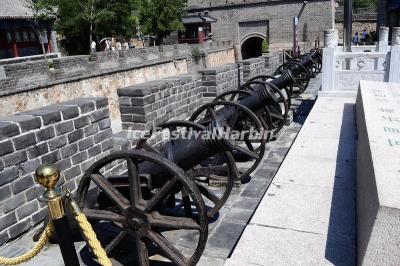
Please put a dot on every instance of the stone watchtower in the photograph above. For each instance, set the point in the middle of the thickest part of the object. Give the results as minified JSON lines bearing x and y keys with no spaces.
{"x":249,"y":22}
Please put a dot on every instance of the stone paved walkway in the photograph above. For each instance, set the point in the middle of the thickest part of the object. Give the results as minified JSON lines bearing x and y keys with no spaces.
{"x":224,"y":232}
{"x":307,"y":216}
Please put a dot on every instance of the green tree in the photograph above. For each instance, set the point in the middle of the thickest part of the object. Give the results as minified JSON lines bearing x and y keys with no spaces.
{"x":365,"y":3}
{"x":79,"y":21}
{"x":161,"y":17}
{"x":361,"y":3}
{"x":43,"y":11}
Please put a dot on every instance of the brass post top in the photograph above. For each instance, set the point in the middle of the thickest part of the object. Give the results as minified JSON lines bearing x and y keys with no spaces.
{"x":47,"y":175}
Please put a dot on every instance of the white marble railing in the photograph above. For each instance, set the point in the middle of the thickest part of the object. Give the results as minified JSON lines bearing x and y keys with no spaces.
{"x":342,"y":71}
{"x":374,"y":61}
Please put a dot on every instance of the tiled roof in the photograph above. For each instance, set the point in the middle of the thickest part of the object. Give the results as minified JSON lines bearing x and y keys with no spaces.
{"x":198,"y":18}
{"x":11,"y":9}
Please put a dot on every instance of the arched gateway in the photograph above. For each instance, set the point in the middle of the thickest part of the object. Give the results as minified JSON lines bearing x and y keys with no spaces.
{"x":251,"y":45}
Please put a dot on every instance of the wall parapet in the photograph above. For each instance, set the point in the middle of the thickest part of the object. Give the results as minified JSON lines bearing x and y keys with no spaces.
{"x":72,"y":135}
{"x":26,"y":76}
{"x":146,"y":105}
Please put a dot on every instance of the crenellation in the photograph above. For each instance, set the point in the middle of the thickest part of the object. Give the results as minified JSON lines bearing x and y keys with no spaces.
{"x":65,"y":137}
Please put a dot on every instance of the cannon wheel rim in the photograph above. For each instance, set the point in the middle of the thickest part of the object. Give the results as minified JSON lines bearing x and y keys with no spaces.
{"x":262,"y":77}
{"x":261,"y":151}
{"x":264,"y":111}
{"x":301,"y":86}
{"x":272,"y":111}
{"x":232,"y":171}
{"x":282,"y":114}
{"x":288,"y":92}
{"x":132,"y":207}
{"x":233,"y":93}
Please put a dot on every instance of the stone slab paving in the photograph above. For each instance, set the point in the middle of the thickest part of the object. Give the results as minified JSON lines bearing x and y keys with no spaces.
{"x":224,"y":232}
{"x":307,"y":216}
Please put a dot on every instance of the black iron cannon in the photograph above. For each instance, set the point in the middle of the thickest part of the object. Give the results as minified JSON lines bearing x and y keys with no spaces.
{"x":163,"y":193}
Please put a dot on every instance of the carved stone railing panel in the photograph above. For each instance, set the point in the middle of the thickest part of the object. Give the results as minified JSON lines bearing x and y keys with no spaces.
{"x":362,"y":62}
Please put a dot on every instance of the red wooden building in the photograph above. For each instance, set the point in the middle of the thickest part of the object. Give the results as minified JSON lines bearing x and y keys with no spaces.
{"x":197,"y":28}
{"x":17,"y":35}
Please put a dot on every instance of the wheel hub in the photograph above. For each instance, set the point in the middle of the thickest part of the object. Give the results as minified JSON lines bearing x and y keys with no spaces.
{"x":135,"y":223}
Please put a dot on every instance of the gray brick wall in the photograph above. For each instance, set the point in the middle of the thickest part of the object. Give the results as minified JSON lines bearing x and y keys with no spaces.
{"x":149,"y":104}
{"x":218,"y":80}
{"x":71,"y":135}
{"x":146,"y":105}
{"x":238,"y":18}
{"x":253,"y":67}
{"x":37,"y":74}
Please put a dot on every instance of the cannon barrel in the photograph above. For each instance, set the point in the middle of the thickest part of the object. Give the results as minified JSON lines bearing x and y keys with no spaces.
{"x":160,"y":191}
{"x":189,"y":152}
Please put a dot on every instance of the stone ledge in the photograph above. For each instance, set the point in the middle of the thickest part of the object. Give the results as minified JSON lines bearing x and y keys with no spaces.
{"x":378,"y":173}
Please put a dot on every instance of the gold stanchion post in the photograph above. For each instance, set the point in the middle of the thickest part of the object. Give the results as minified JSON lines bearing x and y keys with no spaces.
{"x":48,"y":176}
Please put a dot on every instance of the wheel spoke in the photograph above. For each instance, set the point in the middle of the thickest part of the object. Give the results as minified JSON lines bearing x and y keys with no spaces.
{"x":110,"y":247}
{"x":102,"y":215}
{"x":168,"y":249}
{"x":251,"y":154}
{"x":172,"y":223}
{"x":161,"y":193}
{"x":142,"y":252}
{"x":145,"y":146}
{"x":212,"y":113}
{"x":111,"y":192}
{"x":134,"y":182}
{"x":208,"y":194}
{"x":248,"y":144}
{"x":234,"y":118}
{"x":277,"y":115}
{"x":208,"y":170}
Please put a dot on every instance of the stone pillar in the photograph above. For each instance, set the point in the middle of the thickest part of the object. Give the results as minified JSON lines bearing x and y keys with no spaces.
{"x":14,"y":43}
{"x":201,"y":35}
{"x":238,"y":52}
{"x":383,"y":39}
{"x":330,"y":38}
{"x":329,"y":62}
{"x":394,"y":76}
{"x":395,"y":36}
{"x":53,"y":41}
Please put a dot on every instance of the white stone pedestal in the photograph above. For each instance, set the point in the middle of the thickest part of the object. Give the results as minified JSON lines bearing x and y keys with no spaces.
{"x":378,"y":173}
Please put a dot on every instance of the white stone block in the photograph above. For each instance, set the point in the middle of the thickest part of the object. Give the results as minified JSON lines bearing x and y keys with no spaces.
{"x":378,"y":173}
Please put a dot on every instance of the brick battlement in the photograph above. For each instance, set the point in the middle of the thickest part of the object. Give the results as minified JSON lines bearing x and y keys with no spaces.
{"x":72,"y":135}
{"x":26,"y":76}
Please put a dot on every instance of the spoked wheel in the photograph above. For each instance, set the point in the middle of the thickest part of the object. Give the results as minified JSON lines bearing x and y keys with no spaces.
{"x":318,"y":66}
{"x":261,"y":78}
{"x":311,"y":68}
{"x":262,"y":114}
{"x":235,"y":96}
{"x":301,"y":78}
{"x":137,"y":209}
{"x":314,"y":68}
{"x":317,"y":55}
{"x":246,"y":131}
{"x":232,"y":96}
{"x":287,"y":92}
{"x":220,"y":168}
{"x":276,"y":112}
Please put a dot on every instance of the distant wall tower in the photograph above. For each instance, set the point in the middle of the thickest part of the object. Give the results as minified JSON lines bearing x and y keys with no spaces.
{"x":242,"y":20}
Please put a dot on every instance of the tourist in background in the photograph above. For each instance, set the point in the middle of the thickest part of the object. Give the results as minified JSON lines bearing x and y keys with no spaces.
{"x":364,"y":36}
{"x":355,"y":38}
{"x":118,"y":45}
{"x":125,"y":45}
{"x":93,"y":46}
